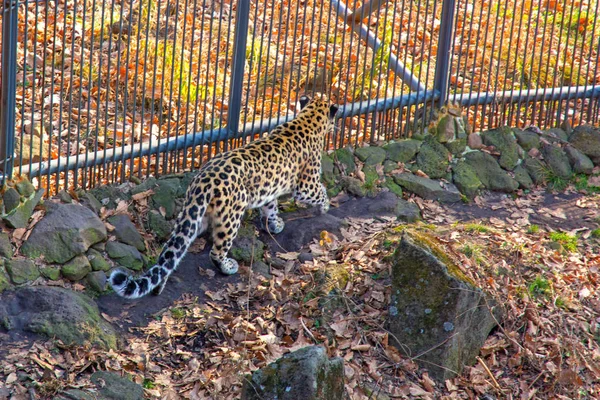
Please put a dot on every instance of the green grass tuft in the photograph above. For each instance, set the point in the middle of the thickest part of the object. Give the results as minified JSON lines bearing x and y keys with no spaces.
{"x":569,"y":242}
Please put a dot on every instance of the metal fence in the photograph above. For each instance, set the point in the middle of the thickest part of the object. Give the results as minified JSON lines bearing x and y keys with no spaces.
{"x":98,"y":91}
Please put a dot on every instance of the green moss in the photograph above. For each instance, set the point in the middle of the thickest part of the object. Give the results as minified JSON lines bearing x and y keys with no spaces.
{"x":177,"y":313}
{"x":533,"y":229}
{"x":596,"y":233}
{"x":476,"y":228}
{"x":540,"y":287}
{"x":569,"y":242}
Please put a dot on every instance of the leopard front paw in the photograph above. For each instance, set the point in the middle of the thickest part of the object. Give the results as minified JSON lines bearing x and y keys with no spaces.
{"x":325,"y":208}
{"x":229,"y":266}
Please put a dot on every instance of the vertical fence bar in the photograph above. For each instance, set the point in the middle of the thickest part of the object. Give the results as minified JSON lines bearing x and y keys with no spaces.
{"x":8,"y":91}
{"x":442,"y":66}
{"x":239,"y":62}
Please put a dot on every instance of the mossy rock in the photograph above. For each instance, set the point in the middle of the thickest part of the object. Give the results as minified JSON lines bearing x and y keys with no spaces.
{"x":370,"y":155}
{"x":97,"y":261}
{"x":557,"y":161}
{"x":327,"y":174}
{"x":11,"y":200}
{"x":159,"y":225}
{"x":527,"y":140}
{"x":586,"y":139}
{"x":19,"y":216}
{"x":51,"y":272}
{"x":403,"y":150}
{"x":537,"y":169}
{"x":116,"y":387}
{"x":504,"y":141}
{"x":436,"y":310}
{"x":148,"y":184}
{"x":126,"y":255}
{"x":166,"y":191}
{"x":126,"y":232}
{"x":247,"y":248}
{"x":371,"y":178}
{"x":22,"y":271}
{"x":558,"y":133}
{"x":353,"y":186}
{"x":389,"y":166}
{"x":6,"y":249}
{"x":522,"y":176}
{"x":457,"y":146}
{"x":57,"y":313}
{"x":489,"y":172}
{"x":25,"y":188}
{"x":109,"y":195}
{"x":433,"y":158}
{"x":346,"y":158}
{"x":393,"y":187}
{"x":466,"y":179}
{"x":77,"y":268}
{"x":428,"y":188}
{"x":4,"y":280}
{"x":580,"y":162}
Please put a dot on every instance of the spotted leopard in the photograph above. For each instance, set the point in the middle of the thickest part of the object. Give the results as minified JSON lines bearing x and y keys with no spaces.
{"x":254,"y":176}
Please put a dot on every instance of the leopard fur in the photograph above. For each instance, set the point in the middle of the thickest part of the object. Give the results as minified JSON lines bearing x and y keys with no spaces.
{"x":254,"y":176}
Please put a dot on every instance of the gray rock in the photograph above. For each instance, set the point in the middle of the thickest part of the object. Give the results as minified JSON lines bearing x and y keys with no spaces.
{"x":527,"y":140}
{"x":466,"y":179}
{"x":558,"y":133}
{"x":262,"y":268}
{"x":22,"y":271}
{"x":246,"y":246}
{"x":115,"y":387}
{"x":158,"y":225}
{"x":557,"y":161}
{"x":389,"y":166}
{"x":51,"y":272}
{"x":504,"y":141}
{"x":109,"y":195}
{"x":25,"y":188}
{"x":474,"y":141}
{"x":580,"y":162}
{"x":19,"y":218}
{"x":393,"y":186}
{"x":4,"y":280}
{"x":436,"y":311}
{"x":489,"y":172}
{"x":522,"y":176}
{"x":126,"y":255}
{"x":586,"y":139}
{"x":433,"y":159}
{"x":370,"y":155}
{"x":305,"y":374}
{"x":148,"y":184}
{"x":66,"y":231}
{"x":126,"y":232}
{"x":389,"y":204}
{"x":353,"y":186}
{"x":346,"y":159}
{"x":457,"y":146}
{"x":91,"y":202}
{"x":57,"y":313}
{"x":6,"y":249}
{"x":11,"y":199}
{"x":402,"y":151}
{"x":97,"y":281}
{"x":97,"y":261}
{"x":428,"y":188}
{"x":164,"y":194}
{"x":77,"y":268}
{"x":65,"y":197}
{"x":76,"y":394}
{"x":537,"y":169}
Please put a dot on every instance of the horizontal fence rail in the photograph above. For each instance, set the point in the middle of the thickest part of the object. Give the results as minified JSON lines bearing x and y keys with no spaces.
{"x":97,"y":91}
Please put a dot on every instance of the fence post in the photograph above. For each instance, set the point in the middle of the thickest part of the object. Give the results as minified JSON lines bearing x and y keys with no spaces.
{"x":239,"y":63}
{"x":446,"y":37}
{"x":8,"y":90}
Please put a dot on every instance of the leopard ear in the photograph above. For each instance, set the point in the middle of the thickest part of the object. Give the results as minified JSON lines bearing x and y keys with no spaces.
{"x":304,"y":100}
{"x":333,"y":109}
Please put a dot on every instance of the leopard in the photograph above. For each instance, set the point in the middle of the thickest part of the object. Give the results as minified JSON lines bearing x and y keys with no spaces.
{"x":285,"y":162}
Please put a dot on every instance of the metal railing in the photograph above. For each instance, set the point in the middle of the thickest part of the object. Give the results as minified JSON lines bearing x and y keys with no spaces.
{"x":96,"y":91}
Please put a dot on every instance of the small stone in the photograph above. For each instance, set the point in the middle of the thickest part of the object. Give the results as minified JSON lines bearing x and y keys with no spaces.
{"x":474,"y":141}
{"x":20,"y":217}
{"x":370,"y":155}
{"x":527,"y":140}
{"x":77,"y":268}
{"x":96,"y":281}
{"x":428,"y":188}
{"x":113,"y":386}
{"x":402,"y":151}
{"x":158,"y":225}
{"x":126,"y":232}
{"x":25,"y":188}
{"x":22,"y":271}
{"x":580,"y":162}
{"x":246,"y":247}
{"x":126,"y":255}
{"x":97,"y":261}
{"x":6,"y":249}
{"x":11,"y":199}
{"x":353,"y":186}
{"x":557,"y":160}
{"x":262,"y":268}
{"x":305,"y":256}
{"x":65,"y":197}
{"x":433,"y":158}
{"x":51,"y":272}
{"x":522,"y":176}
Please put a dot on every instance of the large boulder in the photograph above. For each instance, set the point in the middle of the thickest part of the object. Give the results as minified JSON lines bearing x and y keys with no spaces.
{"x":428,"y":188}
{"x":586,"y":139}
{"x":306,"y":374}
{"x":557,"y":161}
{"x":57,"y":313}
{"x":436,"y":311}
{"x":504,"y":141}
{"x":489,"y":172}
{"x":68,"y":230}
{"x":403,"y":151}
{"x":433,"y":158}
